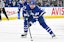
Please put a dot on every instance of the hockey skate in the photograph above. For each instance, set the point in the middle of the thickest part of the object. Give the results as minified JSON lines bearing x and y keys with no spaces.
{"x":24,"y":35}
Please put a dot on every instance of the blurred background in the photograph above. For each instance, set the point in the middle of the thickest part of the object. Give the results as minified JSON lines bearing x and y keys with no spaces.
{"x":42,"y":3}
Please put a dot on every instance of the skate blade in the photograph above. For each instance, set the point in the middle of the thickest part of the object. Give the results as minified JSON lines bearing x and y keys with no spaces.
{"x":24,"y":36}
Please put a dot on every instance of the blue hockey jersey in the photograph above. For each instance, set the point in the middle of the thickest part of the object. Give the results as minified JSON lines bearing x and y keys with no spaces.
{"x":20,"y":5}
{"x":36,"y":12}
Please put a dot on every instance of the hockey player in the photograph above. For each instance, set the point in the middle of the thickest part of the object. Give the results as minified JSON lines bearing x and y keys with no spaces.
{"x":22,"y":4}
{"x":2,"y":8}
{"x":32,"y":14}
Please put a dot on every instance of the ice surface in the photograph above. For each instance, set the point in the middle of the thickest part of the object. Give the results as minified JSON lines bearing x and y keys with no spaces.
{"x":10,"y":31}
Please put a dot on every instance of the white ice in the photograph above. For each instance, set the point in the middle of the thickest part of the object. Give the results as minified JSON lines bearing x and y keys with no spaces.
{"x":10,"y":31}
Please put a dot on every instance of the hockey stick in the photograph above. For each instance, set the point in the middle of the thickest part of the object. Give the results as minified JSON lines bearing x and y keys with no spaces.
{"x":29,"y":28}
{"x":30,"y":35}
{"x":29,"y":31}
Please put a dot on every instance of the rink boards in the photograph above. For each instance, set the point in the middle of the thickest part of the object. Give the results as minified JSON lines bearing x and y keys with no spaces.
{"x":51,"y":12}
